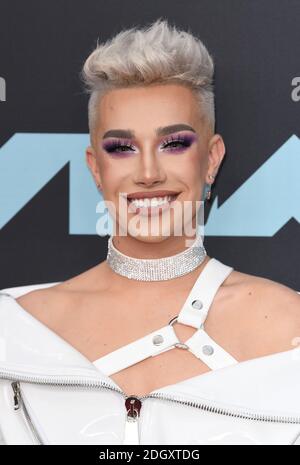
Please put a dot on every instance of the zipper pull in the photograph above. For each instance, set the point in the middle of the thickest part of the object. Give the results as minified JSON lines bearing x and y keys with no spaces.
{"x":16,"y":388}
{"x":133,"y":406}
{"x":131,"y":434}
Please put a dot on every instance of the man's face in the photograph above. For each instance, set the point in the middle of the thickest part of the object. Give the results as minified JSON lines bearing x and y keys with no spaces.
{"x":151,"y":139}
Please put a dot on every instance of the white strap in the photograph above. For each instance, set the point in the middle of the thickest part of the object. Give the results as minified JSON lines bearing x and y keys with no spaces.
{"x":197,"y":305}
{"x":134,"y":352}
{"x":193,"y":313}
{"x":207,"y":350}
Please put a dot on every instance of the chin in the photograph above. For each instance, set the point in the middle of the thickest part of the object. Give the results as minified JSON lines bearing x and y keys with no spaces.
{"x":151,"y":239}
{"x":158,"y":235}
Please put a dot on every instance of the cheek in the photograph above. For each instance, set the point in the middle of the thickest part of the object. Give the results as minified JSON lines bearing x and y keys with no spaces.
{"x":192,"y":175}
{"x":113,"y":177}
{"x":190,"y":170}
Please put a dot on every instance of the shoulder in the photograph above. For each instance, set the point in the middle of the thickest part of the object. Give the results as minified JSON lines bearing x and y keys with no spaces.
{"x":46,"y":304}
{"x":56,"y":301}
{"x":267,"y":313}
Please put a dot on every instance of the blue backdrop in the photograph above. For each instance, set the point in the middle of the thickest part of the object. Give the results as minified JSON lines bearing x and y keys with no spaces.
{"x":47,"y":196}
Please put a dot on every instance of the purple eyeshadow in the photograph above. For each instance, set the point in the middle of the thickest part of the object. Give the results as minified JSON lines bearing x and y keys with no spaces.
{"x":179,"y":143}
{"x":117,"y":147}
{"x":174,"y":144}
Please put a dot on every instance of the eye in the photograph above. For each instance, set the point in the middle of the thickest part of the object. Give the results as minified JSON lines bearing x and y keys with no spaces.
{"x":122,"y":148}
{"x":176,"y":143}
{"x":118,"y":147}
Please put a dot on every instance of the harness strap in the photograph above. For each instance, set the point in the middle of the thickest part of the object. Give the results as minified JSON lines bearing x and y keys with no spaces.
{"x":193,"y":313}
{"x":194,"y":310}
{"x":206,"y":349}
{"x":134,"y":352}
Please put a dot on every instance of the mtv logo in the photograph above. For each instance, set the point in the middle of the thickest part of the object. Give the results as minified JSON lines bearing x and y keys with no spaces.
{"x":261,"y":206}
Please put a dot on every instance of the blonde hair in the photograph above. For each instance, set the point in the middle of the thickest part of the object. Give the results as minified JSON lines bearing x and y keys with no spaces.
{"x":155,"y":54}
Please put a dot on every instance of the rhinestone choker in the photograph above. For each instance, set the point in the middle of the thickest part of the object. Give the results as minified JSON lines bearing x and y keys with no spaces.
{"x":157,"y":269}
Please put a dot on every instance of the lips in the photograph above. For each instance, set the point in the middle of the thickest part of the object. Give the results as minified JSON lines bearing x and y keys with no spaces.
{"x":146,"y":209}
{"x":174,"y":197}
{"x":151,"y":194}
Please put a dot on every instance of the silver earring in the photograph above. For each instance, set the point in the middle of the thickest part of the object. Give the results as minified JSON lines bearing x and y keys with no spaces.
{"x":208,"y":192}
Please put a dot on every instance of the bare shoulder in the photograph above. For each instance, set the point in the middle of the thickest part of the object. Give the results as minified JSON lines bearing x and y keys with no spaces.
{"x":52,"y":303}
{"x":266,"y":312}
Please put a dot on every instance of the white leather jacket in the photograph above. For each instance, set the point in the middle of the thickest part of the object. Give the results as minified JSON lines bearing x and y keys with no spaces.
{"x":51,"y":394}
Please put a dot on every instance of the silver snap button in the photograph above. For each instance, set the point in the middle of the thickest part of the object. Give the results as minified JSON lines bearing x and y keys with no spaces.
{"x":197,"y":304}
{"x":157,"y":339}
{"x":207,"y":350}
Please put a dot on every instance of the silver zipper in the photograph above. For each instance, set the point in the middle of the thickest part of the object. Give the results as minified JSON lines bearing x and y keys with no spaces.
{"x":155,"y":395}
{"x":248,"y":415}
{"x":18,"y":404}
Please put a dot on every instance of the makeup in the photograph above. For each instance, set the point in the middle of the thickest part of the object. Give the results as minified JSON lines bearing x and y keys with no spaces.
{"x":174,"y":143}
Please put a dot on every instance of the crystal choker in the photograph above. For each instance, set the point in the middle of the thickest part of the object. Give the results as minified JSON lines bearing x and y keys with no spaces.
{"x":157,"y":269}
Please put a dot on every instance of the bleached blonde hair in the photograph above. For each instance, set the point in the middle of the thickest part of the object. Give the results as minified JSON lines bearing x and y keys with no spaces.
{"x":155,"y":54}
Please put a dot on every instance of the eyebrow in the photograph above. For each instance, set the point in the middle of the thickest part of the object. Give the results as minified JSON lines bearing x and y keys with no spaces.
{"x":160,"y":131}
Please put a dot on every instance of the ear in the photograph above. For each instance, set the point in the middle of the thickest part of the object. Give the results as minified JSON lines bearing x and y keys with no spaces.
{"x":216,"y":148}
{"x":91,"y":161}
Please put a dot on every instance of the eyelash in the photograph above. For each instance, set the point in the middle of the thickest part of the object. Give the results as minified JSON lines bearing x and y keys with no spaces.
{"x":182,"y":140}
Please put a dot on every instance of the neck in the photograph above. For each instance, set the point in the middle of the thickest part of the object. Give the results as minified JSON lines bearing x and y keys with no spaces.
{"x":167,"y":267}
{"x":117,"y":284}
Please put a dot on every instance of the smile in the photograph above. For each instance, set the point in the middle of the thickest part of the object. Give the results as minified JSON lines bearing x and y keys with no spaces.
{"x":152,"y":205}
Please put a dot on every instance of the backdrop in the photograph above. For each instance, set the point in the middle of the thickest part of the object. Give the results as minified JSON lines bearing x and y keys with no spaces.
{"x":47,"y":196}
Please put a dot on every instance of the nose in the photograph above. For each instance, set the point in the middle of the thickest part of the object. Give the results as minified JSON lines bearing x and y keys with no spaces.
{"x":149,"y":170}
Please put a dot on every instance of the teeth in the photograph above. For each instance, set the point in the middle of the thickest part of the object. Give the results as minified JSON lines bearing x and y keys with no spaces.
{"x":153,"y":202}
